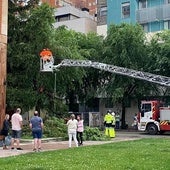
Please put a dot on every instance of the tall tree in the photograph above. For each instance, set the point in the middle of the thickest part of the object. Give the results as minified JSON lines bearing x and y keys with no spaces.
{"x":79,"y":83}
{"x":30,"y":30}
{"x":159,"y":51}
{"x":125,"y":47}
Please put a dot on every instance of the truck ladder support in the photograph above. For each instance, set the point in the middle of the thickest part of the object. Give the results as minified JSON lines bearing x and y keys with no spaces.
{"x":161,"y":80}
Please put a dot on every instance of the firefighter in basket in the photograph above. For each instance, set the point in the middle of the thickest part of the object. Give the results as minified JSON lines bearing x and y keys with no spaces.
{"x":46,"y":55}
{"x":109,"y":122}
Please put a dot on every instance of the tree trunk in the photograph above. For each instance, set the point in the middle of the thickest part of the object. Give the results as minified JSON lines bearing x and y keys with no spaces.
{"x":3,"y":57}
{"x":123,"y":114}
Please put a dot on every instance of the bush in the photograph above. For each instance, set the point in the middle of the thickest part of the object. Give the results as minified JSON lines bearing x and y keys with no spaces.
{"x":53,"y":127}
{"x":94,"y":134}
{"x":56,"y":128}
{"x":26,"y":132}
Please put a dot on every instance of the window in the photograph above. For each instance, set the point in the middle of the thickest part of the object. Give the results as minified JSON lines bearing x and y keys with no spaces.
{"x":142,"y":4}
{"x":126,"y":10}
{"x":167,"y":25}
{"x":167,"y":1}
{"x":103,"y":11}
{"x":145,"y":27}
{"x":146,"y":107}
{"x":62,"y":18}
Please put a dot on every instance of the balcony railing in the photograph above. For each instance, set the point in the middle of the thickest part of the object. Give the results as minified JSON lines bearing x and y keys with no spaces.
{"x":153,"y":14}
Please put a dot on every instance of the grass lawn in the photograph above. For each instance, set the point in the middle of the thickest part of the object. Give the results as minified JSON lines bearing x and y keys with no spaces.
{"x":145,"y":154}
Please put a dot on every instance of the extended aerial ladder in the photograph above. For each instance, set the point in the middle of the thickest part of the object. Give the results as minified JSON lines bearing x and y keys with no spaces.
{"x":47,"y":65}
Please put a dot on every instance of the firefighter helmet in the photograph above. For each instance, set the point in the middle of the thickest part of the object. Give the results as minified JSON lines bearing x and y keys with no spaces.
{"x":113,"y":113}
{"x":109,"y":111}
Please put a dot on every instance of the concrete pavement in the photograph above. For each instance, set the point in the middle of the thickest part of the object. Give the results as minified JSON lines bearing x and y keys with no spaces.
{"x":52,"y":144}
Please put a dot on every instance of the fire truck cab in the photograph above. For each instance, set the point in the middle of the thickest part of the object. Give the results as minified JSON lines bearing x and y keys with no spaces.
{"x":153,"y":118}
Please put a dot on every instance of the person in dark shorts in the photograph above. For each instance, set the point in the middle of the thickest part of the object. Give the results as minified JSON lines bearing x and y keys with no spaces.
{"x":16,"y":121}
{"x":36,"y":125}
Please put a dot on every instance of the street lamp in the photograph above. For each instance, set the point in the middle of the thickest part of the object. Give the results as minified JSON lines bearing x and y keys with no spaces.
{"x":55,"y":91}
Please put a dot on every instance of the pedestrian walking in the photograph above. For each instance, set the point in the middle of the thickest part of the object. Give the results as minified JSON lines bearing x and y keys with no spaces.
{"x":80,"y":129}
{"x":72,"y":130}
{"x":5,"y":130}
{"x":16,"y":121}
{"x":36,"y":126}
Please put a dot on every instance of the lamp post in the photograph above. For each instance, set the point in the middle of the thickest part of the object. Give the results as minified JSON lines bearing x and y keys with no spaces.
{"x":55,"y":92}
{"x":3,"y":56}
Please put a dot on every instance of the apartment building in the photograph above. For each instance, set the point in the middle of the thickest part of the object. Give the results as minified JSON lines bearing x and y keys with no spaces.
{"x":75,"y":19}
{"x":153,"y":15}
{"x":102,"y":17}
{"x":80,"y":4}
{"x":75,"y":14}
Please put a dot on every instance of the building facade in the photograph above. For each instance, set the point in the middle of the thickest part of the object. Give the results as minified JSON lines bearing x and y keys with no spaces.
{"x":75,"y":19}
{"x":152,"y":15}
{"x":102,"y":17}
{"x":80,"y":4}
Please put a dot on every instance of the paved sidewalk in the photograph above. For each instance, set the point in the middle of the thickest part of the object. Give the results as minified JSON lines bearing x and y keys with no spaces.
{"x":51,"y":144}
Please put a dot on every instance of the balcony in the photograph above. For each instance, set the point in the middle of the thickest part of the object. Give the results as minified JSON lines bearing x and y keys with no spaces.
{"x":153,"y":14}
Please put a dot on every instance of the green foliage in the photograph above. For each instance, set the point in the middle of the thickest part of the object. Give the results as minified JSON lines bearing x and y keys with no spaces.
{"x":163,"y":53}
{"x":30,"y":30}
{"x":94,"y":134}
{"x":128,"y":155}
{"x":124,"y":46}
{"x":26,"y":132}
{"x":55,"y":127}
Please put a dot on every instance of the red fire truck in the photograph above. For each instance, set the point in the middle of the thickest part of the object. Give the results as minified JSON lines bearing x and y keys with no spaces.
{"x":154,"y":118}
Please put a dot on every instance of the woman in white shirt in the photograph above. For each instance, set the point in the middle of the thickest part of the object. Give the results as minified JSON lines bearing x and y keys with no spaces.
{"x":72,"y":130}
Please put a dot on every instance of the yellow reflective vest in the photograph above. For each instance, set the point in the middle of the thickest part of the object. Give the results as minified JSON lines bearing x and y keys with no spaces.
{"x":108,"y":119}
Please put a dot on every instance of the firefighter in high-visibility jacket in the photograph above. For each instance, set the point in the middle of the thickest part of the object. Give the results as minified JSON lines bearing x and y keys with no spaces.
{"x":108,"y":122}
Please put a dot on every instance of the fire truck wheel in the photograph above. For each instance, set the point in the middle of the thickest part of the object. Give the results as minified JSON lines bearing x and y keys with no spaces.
{"x":152,"y":129}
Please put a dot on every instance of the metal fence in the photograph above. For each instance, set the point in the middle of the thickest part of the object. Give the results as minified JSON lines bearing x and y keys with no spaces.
{"x":91,"y":119}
